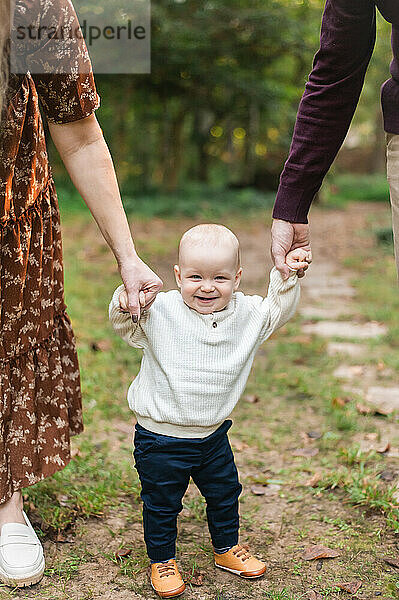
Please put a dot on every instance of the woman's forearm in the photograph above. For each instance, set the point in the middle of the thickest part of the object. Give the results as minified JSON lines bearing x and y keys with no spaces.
{"x":87,"y":159}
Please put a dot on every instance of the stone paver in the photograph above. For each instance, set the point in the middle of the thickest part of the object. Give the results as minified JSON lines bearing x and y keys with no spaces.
{"x":385,"y":398}
{"x":354,"y":350}
{"x":343,"y":329}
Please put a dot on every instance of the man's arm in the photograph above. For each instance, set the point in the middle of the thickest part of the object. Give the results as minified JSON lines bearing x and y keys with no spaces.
{"x":328,"y":104}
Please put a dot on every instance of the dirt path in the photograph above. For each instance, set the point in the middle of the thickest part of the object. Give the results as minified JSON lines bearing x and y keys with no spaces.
{"x":281,"y":512}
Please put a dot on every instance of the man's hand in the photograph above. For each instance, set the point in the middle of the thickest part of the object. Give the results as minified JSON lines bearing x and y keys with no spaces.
{"x":141,"y":285}
{"x":285,"y":237}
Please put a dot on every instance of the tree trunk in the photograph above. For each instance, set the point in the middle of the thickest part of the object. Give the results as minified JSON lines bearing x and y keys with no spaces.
{"x":173,"y":162}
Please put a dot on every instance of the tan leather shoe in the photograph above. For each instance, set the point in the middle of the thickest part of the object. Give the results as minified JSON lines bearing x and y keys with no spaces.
{"x":239,"y":561}
{"x":166,"y":579}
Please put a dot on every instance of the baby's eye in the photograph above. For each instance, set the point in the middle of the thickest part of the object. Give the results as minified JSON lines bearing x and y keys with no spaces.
{"x":194,"y":277}
{"x":220,"y":277}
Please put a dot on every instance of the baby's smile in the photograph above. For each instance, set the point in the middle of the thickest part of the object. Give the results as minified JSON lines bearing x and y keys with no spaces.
{"x":206,"y":298}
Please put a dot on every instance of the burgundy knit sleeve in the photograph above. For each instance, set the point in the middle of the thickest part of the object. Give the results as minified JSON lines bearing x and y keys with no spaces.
{"x":328,"y":103}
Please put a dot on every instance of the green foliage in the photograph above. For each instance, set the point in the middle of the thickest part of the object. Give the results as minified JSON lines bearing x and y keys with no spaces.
{"x":194,"y":200}
{"x":221,"y":98}
{"x":338,"y":190}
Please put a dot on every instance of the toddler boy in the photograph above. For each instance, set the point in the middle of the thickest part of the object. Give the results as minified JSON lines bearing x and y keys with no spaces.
{"x":198,"y":347}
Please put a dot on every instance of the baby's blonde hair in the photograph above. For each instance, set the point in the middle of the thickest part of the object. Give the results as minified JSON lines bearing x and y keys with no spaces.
{"x":210,"y":235}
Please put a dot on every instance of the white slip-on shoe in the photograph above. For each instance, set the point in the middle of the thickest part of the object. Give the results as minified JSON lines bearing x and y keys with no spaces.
{"x":21,"y":555}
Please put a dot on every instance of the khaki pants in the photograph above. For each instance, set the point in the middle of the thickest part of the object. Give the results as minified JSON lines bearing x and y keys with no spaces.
{"x":393,"y":180}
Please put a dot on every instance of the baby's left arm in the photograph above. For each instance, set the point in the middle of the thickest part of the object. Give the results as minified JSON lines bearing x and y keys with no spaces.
{"x":283,"y":296}
{"x":119,"y":315}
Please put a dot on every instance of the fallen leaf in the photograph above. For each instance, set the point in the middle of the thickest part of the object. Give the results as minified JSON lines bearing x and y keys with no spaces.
{"x":251,"y":398}
{"x":352,"y":588}
{"x":362,"y":409}
{"x":265,"y":490}
{"x":394,"y":562}
{"x":63,"y":500}
{"x":64,"y":539}
{"x":314,"y":435}
{"x":101,"y":345}
{"x":383,"y":448}
{"x":314,"y":480}
{"x":194,"y":578}
{"x":370,"y":443}
{"x":240,"y":446}
{"x":388,"y":475}
{"x":314,"y":552}
{"x":312,"y":595}
{"x":305,"y":452}
{"x":122,"y":553}
{"x":306,"y":440}
{"x":258,"y":490}
{"x":384,"y":411}
{"x":338,"y":402}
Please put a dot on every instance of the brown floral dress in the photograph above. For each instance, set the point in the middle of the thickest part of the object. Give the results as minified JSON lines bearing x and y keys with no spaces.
{"x":40,"y":397}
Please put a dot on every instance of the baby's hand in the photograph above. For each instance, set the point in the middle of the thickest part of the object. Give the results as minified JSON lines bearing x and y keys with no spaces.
{"x":123,"y":300}
{"x":298,"y":259}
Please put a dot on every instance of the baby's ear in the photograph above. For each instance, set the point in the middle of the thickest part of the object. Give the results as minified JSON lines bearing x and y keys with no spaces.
{"x":237,"y":278}
{"x":176,"y":269}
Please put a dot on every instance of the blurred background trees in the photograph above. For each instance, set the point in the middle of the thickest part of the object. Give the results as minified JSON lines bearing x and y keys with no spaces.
{"x":219,"y":105}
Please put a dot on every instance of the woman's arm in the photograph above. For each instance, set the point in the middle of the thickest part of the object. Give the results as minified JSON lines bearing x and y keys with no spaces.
{"x":88,"y":161}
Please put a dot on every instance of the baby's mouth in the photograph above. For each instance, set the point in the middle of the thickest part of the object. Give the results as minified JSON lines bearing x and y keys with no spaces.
{"x":205,"y":299}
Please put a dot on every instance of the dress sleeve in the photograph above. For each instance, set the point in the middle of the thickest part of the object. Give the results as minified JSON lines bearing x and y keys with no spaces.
{"x":59,"y":66}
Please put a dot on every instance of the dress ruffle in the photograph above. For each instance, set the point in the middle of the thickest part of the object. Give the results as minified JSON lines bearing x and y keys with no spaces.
{"x":40,"y":403}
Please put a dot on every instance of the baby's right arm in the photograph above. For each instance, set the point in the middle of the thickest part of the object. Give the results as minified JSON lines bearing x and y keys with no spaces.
{"x":119,"y":315}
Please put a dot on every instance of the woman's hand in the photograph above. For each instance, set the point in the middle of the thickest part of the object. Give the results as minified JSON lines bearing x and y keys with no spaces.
{"x":141,"y":284}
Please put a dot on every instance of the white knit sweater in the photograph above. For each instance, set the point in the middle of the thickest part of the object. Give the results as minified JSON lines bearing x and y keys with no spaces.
{"x":195,"y":367}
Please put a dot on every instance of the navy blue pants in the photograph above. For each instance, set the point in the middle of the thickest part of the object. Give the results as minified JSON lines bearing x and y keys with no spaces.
{"x":164,"y":465}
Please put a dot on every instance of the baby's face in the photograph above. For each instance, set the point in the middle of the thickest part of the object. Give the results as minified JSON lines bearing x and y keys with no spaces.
{"x":207,"y":277}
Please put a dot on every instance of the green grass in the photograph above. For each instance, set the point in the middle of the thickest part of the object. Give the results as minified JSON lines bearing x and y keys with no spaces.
{"x":90,"y":484}
{"x":293,"y":378}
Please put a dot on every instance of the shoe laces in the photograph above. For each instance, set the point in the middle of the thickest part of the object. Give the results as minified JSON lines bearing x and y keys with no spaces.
{"x":166,"y":569}
{"x":242,"y":553}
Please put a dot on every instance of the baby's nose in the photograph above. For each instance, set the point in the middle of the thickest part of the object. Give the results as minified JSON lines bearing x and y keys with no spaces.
{"x":207,"y":286}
